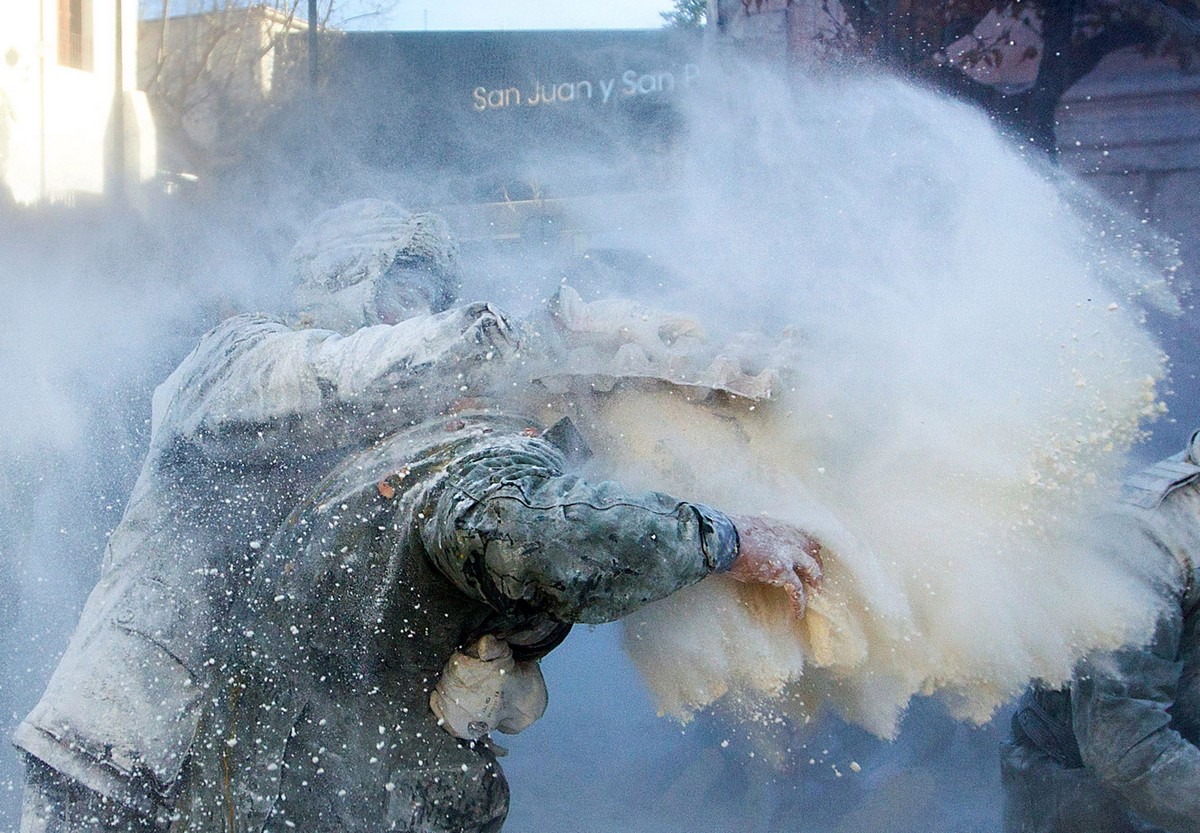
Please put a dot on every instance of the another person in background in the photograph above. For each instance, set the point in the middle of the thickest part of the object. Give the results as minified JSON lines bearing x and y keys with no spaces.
{"x":1118,"y":750}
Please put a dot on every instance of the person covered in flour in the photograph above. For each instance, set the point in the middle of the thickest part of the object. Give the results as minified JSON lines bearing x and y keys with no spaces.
{"x":1118,"y":749}
{"x":337,"y":571}
{"x":247,"y":424}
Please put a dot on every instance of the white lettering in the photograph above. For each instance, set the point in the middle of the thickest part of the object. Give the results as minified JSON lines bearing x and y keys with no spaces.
{"x":485,"y":99}
{"x":633,"y":83}
{"x":629,"y":80}
{"x":503,"y":98}
{"x":607,"y":88}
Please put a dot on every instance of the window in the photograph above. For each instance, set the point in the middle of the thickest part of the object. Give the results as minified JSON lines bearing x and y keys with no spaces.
{"x":75,"y":34}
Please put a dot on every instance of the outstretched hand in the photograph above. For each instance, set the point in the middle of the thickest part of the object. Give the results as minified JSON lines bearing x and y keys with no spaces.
{"x":779,"y":554}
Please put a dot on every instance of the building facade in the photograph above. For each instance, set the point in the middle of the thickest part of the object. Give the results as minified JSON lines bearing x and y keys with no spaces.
{"x":72,"y":123}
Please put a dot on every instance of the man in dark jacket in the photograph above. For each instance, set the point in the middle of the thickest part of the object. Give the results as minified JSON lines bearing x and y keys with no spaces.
{"x":1117,"y":750}
{"x":468,"y":540}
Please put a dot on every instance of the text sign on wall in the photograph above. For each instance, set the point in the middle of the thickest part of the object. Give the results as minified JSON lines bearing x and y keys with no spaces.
{"x":629,"y":84}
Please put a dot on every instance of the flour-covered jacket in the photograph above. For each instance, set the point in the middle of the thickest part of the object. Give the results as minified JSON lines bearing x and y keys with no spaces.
{"x":476,"y":524}
{"x":1118,"y":751}
{"x":245,"y":427}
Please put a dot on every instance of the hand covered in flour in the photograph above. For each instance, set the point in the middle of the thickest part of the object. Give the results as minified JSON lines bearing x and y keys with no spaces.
{"x":483,"y":689}
{"x":779,"y":554}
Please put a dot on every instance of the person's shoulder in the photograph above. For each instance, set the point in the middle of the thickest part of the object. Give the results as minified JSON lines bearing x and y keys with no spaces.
{"x":210,"y":361}
{"x":1163,"y":502}
{"x":232,"y":337}
{"x":245,"y":325}
{"x":429,"y":451}
{"x":1150,"y":487}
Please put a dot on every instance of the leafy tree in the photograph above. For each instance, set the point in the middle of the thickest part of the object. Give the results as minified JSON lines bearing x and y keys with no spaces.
{"x":687,"y":14}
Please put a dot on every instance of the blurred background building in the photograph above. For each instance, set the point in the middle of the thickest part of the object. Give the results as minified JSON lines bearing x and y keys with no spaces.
{"x":72,"y":121}
{"x":1108,"y":91}
{"x":1121,"y":101}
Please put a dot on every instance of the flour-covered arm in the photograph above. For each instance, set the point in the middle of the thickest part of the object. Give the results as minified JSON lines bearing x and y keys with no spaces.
{"x":254,"y":385}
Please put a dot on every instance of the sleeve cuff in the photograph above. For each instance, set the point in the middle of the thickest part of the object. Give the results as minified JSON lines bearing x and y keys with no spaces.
{"x":718,"y":538}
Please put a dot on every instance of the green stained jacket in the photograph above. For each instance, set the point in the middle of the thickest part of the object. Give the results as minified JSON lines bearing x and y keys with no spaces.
{"x":403,"y":554}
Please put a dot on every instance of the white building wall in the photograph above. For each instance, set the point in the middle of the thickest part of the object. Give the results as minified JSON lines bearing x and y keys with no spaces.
{"x":56,"y":121}
{"x":19,"y":103}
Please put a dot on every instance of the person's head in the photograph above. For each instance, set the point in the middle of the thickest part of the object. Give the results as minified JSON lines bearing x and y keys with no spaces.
{"x":371,"y":262}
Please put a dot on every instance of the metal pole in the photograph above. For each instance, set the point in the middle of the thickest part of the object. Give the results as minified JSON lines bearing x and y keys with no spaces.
{"x":312,"y":43}
{"x":117,"y":185}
